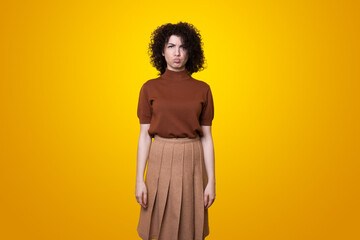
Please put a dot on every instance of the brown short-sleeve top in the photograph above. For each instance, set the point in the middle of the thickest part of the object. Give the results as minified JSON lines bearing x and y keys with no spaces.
{"x":175,"y":105}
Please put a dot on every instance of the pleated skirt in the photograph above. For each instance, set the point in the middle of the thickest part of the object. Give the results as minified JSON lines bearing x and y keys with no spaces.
{"x":175,"y":179}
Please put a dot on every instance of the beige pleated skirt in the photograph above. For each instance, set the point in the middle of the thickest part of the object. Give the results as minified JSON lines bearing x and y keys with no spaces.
{"x":175,"y":179}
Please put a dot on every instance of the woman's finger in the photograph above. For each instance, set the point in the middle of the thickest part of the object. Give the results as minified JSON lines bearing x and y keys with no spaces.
{"x":145,"y":199}
{"x":206,"y":199}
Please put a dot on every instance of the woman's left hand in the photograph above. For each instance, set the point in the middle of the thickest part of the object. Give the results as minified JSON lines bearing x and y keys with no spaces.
{"x":209,"y":194}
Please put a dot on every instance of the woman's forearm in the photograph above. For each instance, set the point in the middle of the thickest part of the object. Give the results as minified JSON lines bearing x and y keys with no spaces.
{"x":142,"y":155}
{"x":209,"y":157}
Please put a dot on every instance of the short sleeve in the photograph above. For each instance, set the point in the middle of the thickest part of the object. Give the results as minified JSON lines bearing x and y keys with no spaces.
{"x":144,"y":107}
{"x":207,"y":113}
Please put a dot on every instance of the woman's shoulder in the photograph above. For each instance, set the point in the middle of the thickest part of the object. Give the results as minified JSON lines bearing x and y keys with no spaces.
{"x":201,"y":83}
{"x":151,"y":82}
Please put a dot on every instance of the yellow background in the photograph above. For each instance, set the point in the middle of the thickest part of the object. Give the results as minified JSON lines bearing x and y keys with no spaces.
{"x":285,"y":77}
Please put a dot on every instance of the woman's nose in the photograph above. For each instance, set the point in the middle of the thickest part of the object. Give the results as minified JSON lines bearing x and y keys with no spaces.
{"x":177,"y":51}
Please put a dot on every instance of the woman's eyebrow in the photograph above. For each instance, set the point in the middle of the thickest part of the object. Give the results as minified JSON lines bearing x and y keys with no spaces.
{"x":175,"y":44}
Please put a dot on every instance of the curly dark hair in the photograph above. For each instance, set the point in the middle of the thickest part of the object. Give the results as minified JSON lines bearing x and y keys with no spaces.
{"x":191,"y":39}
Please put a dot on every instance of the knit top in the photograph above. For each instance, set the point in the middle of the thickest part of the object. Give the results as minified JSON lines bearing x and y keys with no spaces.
{"x":175,"y":105}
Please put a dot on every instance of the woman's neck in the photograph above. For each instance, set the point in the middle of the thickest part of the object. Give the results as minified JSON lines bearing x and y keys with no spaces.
{"x":173,"y":75}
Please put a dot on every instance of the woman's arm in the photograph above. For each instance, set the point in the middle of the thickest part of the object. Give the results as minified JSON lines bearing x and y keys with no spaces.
{"x":209,"y":158}
{"x":142,"y":156}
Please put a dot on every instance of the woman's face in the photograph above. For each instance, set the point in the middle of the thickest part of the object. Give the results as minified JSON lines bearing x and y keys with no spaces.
{"x":175,"y":54}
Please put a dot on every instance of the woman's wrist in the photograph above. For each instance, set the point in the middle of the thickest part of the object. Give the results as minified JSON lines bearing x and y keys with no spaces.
{"x":211,"y":180}
{"x":141,"y":180}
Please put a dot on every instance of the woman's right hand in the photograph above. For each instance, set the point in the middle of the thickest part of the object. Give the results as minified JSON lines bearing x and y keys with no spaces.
{"x":141,"y":193}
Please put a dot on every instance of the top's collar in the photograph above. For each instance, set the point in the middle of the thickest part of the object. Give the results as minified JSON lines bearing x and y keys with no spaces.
{"x":176,"y":75}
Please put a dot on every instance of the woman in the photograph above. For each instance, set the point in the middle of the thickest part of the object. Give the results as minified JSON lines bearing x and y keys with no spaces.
{"x":177,"y":111}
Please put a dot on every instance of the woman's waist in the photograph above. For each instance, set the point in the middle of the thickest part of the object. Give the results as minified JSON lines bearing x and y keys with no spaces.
{"x":176,"y":139}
